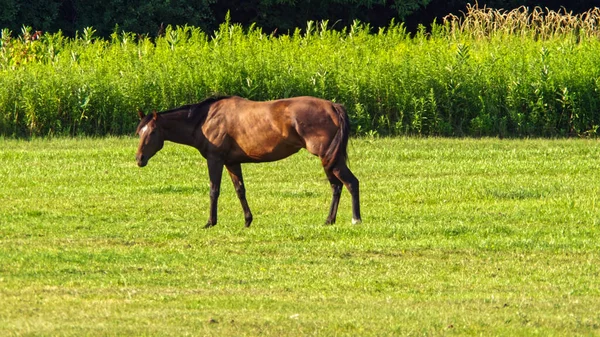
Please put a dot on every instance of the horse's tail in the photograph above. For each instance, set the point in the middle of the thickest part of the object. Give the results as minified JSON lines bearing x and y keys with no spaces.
{"x":337,"y":150}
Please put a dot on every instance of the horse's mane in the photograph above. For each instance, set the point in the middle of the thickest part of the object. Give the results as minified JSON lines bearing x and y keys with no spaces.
{"x":193,"y":111}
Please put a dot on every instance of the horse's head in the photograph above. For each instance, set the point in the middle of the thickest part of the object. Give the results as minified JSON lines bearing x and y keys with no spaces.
{"x":151,"y":137}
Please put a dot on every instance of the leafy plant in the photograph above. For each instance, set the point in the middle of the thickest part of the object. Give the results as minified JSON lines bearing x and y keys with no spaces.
{"x":489,"y":73}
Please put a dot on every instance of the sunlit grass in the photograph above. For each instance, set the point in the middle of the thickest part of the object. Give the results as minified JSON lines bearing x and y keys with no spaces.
{"x":463,"y":237}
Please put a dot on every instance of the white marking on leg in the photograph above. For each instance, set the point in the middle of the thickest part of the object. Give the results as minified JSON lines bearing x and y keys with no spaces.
{"x":356,"y":221}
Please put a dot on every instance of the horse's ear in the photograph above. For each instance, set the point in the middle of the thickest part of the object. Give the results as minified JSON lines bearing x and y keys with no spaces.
{"x":141,"y":114}
{"x":154,"y":115}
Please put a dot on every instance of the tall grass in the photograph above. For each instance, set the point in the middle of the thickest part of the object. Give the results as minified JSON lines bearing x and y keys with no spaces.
{"x":488,"y":72}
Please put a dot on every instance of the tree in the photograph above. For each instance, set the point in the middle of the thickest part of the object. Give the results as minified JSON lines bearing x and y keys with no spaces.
{"x":141,"y":16}
{"x":147,"y":16}
{"x":286,"y":15}
{"x":40,"y":14}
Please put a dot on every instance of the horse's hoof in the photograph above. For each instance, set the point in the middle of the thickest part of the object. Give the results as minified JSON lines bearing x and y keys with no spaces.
{"x":356,"y":221}
{"x":208,"y":225}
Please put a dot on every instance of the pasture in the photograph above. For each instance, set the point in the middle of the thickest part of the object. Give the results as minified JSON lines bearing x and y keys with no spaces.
{"x":459,"y":237}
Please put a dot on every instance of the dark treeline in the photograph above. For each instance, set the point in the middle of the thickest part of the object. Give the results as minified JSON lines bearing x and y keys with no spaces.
{"x":280,"y":16}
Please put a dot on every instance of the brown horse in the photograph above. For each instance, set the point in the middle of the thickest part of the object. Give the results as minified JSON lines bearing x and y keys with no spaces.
{"x":229,"y":131}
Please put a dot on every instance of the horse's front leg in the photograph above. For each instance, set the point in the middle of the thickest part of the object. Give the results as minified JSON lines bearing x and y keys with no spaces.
{"x":235,"y":172}
{"x":215,"y":172}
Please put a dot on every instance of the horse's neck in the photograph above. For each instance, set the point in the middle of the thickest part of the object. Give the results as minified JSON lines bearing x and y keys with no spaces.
{"x":179,"y":130}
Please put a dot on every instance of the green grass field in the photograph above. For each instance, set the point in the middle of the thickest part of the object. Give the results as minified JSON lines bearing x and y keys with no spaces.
{"x":460,"y":237}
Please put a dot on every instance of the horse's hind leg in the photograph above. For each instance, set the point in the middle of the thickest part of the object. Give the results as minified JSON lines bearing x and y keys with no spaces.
{"x":235,"y":172}
{"x":343,"y":173}
{"x":336,"y":188}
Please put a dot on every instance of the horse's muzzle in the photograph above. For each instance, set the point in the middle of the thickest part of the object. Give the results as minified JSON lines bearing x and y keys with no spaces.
{"x":141,"y":160}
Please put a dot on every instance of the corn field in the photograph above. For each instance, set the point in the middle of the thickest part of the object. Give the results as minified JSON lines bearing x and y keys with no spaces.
{"x":488,"y":72}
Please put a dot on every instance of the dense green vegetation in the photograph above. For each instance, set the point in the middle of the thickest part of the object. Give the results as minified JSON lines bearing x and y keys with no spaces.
{"x":460,"y":237}
{"x":515,"y":73}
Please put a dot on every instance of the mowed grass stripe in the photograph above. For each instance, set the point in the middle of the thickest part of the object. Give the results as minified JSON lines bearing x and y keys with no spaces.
{"x":461,"y":236}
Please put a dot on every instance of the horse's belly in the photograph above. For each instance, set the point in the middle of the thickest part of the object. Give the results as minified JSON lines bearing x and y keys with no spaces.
{"x":272,"y":149}
{"x":273,"y":154}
